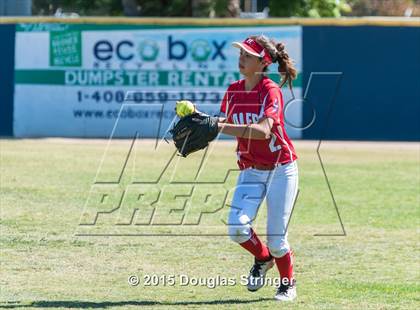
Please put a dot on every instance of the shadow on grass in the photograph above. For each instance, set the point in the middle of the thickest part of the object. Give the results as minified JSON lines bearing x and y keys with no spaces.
{"x":105,"y":304}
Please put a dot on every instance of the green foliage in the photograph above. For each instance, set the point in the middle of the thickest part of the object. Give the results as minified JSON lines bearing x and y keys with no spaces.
{"x":220,"y":7}
{"x":112,"y":7}
{"x":224,"y":8}
{"x":308,"y":8}
{"x":164,"y":8}
{"x":81,"y":7}
{"x":383,"y":8}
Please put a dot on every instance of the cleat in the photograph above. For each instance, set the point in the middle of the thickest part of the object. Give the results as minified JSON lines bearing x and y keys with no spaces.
{"x":256,"y":277}
{"x":286,"y":292}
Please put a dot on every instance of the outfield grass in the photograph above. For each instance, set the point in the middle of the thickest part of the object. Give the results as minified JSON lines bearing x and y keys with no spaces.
{"x":47,"y":261}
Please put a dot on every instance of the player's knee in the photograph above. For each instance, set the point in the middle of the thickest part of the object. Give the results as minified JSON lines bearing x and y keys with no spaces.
{"x":239,"y":233}
{"x":239,"y":227}
{"x":278,"y":249}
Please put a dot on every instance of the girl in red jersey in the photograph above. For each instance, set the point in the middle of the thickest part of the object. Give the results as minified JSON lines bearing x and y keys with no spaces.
{"x":266,"y":157}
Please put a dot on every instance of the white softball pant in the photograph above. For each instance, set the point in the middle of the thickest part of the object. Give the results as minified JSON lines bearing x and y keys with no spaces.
{"x":279,"y":187}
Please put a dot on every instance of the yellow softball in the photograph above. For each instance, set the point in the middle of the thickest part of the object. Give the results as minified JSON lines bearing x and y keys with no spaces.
{"x":184,"y":108}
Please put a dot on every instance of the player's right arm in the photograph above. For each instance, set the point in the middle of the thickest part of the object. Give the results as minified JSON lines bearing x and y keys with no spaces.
{"x":224,"y":106}
{"x":258,"y":131}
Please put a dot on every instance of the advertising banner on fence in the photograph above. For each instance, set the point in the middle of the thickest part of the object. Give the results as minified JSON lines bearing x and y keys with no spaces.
{"x":77,"y":80}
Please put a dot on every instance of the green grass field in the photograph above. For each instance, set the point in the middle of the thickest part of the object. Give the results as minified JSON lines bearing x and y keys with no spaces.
{"x":49,"y":261}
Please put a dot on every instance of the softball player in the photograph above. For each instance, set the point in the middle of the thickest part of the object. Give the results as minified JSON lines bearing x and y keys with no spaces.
{"x":253,"y":108}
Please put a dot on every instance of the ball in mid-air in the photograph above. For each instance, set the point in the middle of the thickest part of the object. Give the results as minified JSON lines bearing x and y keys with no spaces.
{"x":184,"y":108}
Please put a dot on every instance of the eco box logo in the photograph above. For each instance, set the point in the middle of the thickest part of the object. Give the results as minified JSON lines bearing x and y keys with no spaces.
{"x":148,"y":50}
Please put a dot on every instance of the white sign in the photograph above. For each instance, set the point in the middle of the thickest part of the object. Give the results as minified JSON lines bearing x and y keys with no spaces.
{"x":73,"y":80}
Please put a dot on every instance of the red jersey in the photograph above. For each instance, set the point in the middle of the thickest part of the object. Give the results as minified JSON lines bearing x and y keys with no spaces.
{"x":242,"y":107}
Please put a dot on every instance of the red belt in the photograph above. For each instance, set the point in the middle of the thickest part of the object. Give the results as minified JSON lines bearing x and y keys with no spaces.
{"x":268,"y":167}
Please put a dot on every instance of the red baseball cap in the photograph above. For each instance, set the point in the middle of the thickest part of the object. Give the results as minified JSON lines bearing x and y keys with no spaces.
{"x":254,"y":48}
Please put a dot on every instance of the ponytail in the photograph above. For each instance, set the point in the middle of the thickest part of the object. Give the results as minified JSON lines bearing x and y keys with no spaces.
{"x":286,"y":67}
{"x":278,"y":54}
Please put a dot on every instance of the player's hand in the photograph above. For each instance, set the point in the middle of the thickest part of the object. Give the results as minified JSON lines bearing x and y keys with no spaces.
{"x":194,"y":132}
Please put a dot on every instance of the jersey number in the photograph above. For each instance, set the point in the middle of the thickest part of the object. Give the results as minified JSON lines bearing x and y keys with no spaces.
{"x":274,"y":148}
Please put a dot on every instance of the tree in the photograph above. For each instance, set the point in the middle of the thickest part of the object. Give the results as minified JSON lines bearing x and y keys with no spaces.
{"x":215,"y":8}
{"x":384,"y":7}
{"x":130,"y":7}
{"x":163,"y":8}
{"x":229,"y":8}
{"x":82,"y":7}
{"x":308,"y":8}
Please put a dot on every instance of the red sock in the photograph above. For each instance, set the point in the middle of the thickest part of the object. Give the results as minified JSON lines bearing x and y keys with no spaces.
{"x":285,"y":266}
{"x":256,"y":247}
